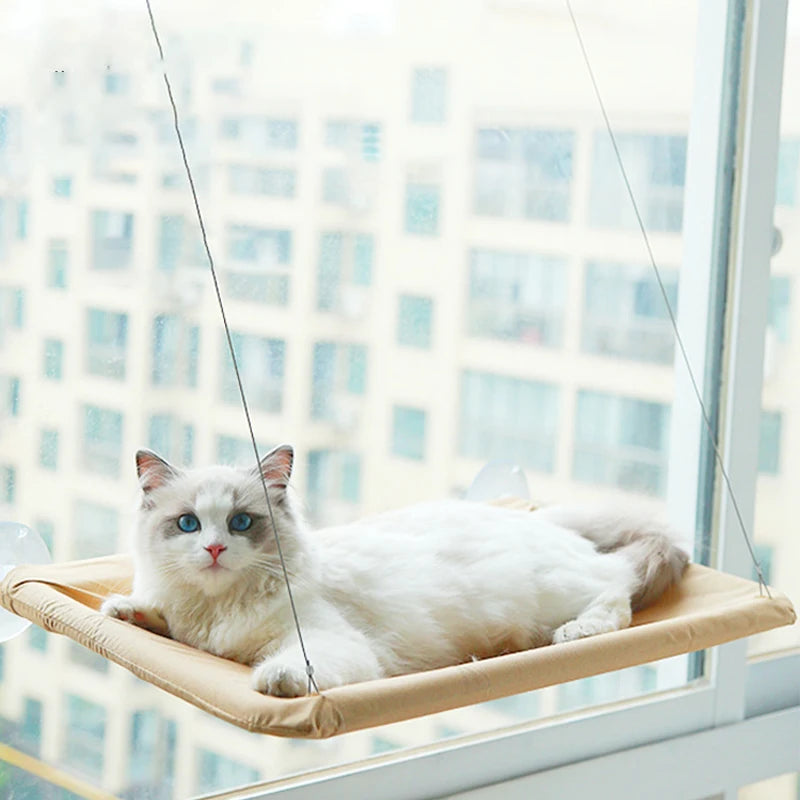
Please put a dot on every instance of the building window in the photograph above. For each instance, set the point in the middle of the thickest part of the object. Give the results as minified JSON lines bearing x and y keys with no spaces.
{"x":258,"y":266}
{"x":153,"y":741}
{"x":281,"y":134}
{"x":765,"y":556}
{"x":179,"y":244}
{"x":216,"y":772}
{"x":769,"y":442}
{"x":96,"y":530}
{"x":524,"y":173}
{"x":112,"y":240}
{"x":245,"y":179}
{"x":23,"y":219}
{"x":260,"y":134}
{"x":344,"y":272}
{"x":358,"y":139}
{"x":408,"y":432}
{"x":37,"y":639}
{"x":9,"y":396}
{"x":334,"y":476}
{"x":625,"y":314}
{"x":8,"y":484}
{"x":422,"y":209}
{"x":46,"y":529}
{"x":85,"y":736}
{"x":509,"y":419}
{"x":57,"y":264}
{"x":238,"y":451}
{"x":261,"y":366}
{"x":176,"y":351}
{"x":170,"y":439}
{"x":414,"y":320}
{"x":62,"y":187}
{"x":429,"y":95}
{"x":12,"y":308}
{"x":116,"y":83}
{"x":788,"y":171}
{"x":517,"y":296}
{"x":187,"y":445}
{"x":655,"y":165}
{"x":48,"y":449}
{"x":170,"y":235}
{"x":53,"y":359}
{"x":106,"y":343}
{"x":621,"y":441}
{"x":30,"y":728}
{"x":779,"y":306}
{"x":336,"y":186}
{"x":87,"y":659}
{"x":102,"y":440}
{"x":339,"y":379}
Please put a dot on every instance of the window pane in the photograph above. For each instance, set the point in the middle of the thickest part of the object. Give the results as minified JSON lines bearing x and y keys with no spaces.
{"x":778,"y":470}
{"x":427,"y":261}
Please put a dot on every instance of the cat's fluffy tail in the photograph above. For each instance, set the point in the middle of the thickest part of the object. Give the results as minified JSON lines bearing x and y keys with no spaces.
{"x":651,"y":546}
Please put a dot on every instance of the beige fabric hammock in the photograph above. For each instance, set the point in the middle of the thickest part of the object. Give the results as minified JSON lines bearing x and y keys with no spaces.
{"x":707,"y":608}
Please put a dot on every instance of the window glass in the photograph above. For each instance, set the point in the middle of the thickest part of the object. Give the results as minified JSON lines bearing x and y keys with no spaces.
{"x":426,"y":255}
{"x":778,"y":466}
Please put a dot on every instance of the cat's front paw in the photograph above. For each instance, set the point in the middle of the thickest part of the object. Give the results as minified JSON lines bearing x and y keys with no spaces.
{"x":279,"y":679}
{"x":126,"y":609}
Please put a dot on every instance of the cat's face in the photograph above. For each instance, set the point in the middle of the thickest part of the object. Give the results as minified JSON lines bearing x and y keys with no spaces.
{"x":211,"y":527}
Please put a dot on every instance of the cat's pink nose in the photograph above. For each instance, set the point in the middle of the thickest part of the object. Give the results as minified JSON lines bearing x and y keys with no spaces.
{"x":215,"y":550}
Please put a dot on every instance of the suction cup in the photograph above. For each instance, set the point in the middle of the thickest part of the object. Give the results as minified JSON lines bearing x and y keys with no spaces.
{"x":19,"y":544}
{"x":498,"y":479}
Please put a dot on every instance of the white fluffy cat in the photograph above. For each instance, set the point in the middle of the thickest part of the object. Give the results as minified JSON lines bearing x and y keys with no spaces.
{"x":413,"y":589}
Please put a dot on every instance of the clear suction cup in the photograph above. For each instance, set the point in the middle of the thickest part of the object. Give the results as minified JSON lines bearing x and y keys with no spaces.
{"x":499,"y":479}
{"x":19,"y":544}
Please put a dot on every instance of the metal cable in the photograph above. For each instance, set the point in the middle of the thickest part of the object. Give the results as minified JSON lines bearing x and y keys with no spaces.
{"x":762,"y":584}
{"x":312,"y":684}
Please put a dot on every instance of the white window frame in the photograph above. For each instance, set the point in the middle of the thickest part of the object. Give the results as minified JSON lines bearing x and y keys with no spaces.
{"x":741,"y":722}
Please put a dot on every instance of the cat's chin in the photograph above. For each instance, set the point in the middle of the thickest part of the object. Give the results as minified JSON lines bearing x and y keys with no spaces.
{"x":215,"y":579}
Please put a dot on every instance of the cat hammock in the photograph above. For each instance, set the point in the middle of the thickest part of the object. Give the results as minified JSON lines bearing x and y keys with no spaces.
{"x":706,"y":608}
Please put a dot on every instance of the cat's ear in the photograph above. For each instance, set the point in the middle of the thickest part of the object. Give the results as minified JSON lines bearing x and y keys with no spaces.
{"x":276,"y":466}
{"x":153,"y":470}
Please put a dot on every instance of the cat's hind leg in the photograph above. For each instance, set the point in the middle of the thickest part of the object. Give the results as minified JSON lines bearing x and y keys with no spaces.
{"x":610,"y":611}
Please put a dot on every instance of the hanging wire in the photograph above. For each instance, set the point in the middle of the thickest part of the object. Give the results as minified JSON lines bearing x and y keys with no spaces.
{"x":762,"y":584}
{"x":312,"y":684}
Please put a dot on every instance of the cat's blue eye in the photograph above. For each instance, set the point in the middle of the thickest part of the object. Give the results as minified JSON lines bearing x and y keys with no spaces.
{"x":188,"y":523}
{"x":240,"y":522}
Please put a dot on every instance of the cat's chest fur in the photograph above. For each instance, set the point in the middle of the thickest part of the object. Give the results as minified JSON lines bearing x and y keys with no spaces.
{"x":233,"y":628}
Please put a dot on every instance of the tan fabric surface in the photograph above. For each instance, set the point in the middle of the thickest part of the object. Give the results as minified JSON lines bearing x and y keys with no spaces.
{"x":706,"y":609}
